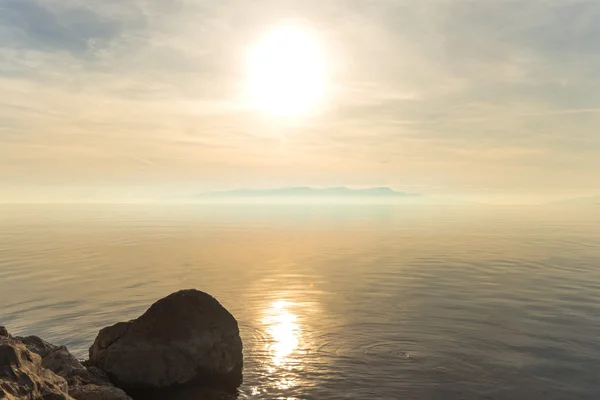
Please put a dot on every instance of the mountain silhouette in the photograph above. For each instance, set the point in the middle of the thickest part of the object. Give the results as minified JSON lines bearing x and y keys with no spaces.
{"x":310,"y":192}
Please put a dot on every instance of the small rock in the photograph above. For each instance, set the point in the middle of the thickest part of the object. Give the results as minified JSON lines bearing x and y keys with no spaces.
{"x":3,"y":332}
{"x":185,"y":337}
{"x":95,"y":392}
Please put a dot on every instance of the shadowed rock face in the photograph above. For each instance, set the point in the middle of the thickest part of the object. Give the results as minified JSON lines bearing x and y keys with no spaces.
{"x":187,"y":337}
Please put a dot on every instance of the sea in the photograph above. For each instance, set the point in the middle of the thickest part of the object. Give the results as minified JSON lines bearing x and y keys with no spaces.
{"x":333,"y":301}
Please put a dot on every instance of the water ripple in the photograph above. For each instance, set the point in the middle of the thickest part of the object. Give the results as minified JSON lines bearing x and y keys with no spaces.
{"x":383,"y":304}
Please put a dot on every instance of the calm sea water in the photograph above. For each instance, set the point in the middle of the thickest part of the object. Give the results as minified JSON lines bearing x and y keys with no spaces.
{"x":344,"y":302}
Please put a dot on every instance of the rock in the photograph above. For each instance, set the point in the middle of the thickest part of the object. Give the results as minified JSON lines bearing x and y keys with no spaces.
{"x":97,"y":387}
{"x":63,"y":363}
{"x":80,"y":382}
{"x":95,"y":392}
{"x":3,"y":332}
{"x":84,"y":384}
{"x":23,"y":377}
{"x":37,"y":345}
{"x":98,"y":377}
{"x":185,"y":337}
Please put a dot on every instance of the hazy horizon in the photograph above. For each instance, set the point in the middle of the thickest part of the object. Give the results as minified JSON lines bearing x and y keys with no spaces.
{"x":246,"y":195}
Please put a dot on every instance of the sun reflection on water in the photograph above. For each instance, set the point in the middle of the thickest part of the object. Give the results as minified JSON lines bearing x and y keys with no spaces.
{"x":284,"y":331}
{"x":287,"y":338}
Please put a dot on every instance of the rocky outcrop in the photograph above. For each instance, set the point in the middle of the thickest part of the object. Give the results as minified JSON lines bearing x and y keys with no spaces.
{"x":187,"y":337}
{"x":22,"y":376}
{"x":185,"y":346}
{"x":32,"y":368}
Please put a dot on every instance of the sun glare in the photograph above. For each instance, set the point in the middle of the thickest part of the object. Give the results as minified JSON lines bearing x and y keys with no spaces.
{"x":287,"y":71}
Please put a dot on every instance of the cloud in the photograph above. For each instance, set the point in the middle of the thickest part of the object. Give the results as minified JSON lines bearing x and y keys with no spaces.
{"x":32,"y":24}
{"x":431,"y":93}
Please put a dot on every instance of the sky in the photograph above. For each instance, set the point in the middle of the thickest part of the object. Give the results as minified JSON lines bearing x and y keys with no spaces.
{"x":140,"y":99}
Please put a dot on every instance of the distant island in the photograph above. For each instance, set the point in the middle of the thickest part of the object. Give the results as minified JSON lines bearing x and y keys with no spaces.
{"x":308,"y":195}
{"x":310,"y":192}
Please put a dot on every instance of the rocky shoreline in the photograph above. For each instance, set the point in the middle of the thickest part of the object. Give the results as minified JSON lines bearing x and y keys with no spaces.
{"x":185,"y":346}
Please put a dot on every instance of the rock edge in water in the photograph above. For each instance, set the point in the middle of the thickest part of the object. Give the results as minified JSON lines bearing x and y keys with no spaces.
{"x":186,"y":345}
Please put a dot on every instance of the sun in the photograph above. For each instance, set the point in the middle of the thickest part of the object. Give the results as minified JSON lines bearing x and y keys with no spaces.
{"x":287,"y":74}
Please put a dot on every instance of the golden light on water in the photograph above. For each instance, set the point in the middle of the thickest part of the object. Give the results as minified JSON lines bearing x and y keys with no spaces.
{"x":287,"y":71}
{"x":284,"y":332}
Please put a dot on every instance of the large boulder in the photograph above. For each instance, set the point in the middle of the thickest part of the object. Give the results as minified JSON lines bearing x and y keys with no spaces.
{"x":186,"y":337}
{"x":22,"y":376}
